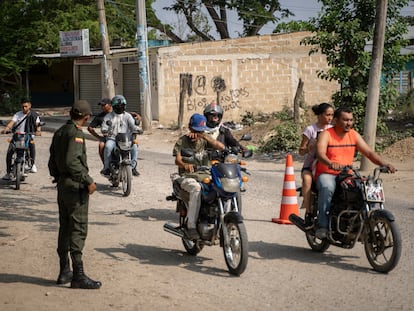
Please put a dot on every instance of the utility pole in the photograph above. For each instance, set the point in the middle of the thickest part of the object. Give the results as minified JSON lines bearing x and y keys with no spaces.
{"x":371,"y":112}
{"x":142,"y":49}
{"x":108,"y":76}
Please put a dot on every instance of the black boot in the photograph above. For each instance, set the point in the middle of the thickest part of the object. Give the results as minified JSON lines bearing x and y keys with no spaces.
{"x":65,"y":275}
{"x":81,"y":280}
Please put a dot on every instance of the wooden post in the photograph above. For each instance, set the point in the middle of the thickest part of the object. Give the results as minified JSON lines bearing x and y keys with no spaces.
{"x":296,"y":102}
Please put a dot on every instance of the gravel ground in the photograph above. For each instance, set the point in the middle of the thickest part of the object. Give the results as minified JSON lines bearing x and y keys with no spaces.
{"x":144,"y":268}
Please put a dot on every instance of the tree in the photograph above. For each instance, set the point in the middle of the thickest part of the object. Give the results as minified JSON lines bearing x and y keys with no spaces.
{"x":342,"y":31}
{"x":253,"y":14}
{"x":32,"y":26}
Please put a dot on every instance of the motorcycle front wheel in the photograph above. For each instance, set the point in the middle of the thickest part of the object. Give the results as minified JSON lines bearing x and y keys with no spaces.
{"x":316,"y":244}
{"x":126,"y":179}
{"x":383,"y":245}
{"x":236,"y":249}
{"x":18,"y":174}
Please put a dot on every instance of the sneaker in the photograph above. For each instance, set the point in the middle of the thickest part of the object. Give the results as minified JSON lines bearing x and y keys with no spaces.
{"x":191,"y":234}
{"x":135,"y":172}
{"x":33,"y":169}
{"x":321,"y":233}
{"x":8,"y":176}
{"x":106,"y":172}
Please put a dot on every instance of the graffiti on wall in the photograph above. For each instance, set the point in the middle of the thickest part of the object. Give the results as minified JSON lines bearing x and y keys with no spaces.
{"x":228,"y":99}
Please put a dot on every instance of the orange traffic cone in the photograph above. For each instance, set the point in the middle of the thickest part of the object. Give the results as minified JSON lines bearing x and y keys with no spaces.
{"x":289,"y":203}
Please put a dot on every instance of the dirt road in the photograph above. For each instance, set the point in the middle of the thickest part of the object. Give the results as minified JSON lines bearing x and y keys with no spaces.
{"x":144,"y":268}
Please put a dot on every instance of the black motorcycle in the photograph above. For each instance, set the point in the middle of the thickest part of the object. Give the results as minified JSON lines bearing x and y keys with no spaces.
{"x":219,"y":220}
{"x":357,"y":213}
{"x":120,"y":166}
{"x":21,"y":161}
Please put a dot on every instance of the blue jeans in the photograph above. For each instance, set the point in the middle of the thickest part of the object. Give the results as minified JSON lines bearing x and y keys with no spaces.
{"x":326,"y":184}
{"x":109,"y":147}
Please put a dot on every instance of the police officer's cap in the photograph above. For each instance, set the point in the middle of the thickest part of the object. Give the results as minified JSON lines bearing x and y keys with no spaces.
{"x":81,"y":108}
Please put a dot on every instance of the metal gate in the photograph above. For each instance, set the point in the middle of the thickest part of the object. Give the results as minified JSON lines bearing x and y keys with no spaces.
{"x":90,"y":85}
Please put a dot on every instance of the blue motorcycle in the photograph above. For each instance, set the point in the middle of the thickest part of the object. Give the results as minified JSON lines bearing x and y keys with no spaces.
{"x":219,"y":221}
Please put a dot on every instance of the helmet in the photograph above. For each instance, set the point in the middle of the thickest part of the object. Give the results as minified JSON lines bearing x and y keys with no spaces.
{"x":213,"y":108}
{"x":118,"y":103}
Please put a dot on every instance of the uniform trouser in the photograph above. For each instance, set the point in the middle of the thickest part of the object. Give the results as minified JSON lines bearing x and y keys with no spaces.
{"x":73,"y":221}
{"x":193,"y":187}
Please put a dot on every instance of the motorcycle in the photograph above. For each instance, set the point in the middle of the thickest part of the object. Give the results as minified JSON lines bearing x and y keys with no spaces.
{"x":221,"y":156}
{"x":219,"y":220}
{"x":357,"y":213}
{"x":120,"y":166}
{"x":21,"y":161}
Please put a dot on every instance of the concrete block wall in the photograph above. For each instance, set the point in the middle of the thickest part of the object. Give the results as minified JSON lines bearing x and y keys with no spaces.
{"x":260,"y":74}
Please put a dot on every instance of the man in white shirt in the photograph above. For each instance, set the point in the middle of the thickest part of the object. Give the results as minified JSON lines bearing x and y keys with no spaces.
{"x":24,"y":121}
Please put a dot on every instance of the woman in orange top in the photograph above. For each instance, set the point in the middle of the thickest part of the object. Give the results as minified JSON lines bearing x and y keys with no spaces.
{"x":335,"y":149}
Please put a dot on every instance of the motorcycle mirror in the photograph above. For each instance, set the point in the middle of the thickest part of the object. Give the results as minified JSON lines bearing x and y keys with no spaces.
{"x":246,"y":137}
{"x":247,"y":154}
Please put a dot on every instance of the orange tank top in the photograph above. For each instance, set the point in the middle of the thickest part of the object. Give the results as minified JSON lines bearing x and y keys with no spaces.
{"x":339,"y":150}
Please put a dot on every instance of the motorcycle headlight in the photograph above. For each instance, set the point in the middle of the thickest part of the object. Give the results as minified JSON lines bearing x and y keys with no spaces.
{"x":124,"y":145}
{"x":19,"y":141}
{"x":230,"y":184}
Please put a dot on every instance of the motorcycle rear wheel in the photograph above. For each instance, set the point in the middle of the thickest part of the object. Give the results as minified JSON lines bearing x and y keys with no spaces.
{"x":385,"y":251}
{"x":18,"y":175}
{"x":236,"y":250}
{"x":316,"y":244}
{"x":126,"y":179}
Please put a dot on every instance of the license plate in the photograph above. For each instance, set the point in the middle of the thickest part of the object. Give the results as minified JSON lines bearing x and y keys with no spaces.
{"x":374,"y":192}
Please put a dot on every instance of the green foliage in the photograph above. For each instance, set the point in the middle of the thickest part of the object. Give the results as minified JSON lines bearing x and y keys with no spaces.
{"x":404,"y":110}
{"x":10,"y":101}
{"x":342,"y":30}
{"x":252,"y":14}
{"x":286,"y":139}
{"x":293,"y":26}
{"x":284,"y":115}
{"x":32,"y":26}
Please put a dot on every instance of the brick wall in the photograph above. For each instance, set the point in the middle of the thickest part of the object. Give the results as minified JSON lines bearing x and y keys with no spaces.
{"x":260,"y":74}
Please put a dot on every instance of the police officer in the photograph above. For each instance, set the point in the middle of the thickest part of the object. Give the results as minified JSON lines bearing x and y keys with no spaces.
{"x":68,"y":165}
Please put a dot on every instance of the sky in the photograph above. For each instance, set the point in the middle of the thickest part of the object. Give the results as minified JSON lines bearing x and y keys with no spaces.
{"x":303,"y":10}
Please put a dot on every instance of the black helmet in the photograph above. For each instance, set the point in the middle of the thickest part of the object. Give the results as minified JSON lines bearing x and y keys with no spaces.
{"x":210,"y":109}
{"x":118,"y":103}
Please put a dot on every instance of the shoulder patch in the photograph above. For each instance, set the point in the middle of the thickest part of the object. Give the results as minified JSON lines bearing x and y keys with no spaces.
{"x":79,"y":140}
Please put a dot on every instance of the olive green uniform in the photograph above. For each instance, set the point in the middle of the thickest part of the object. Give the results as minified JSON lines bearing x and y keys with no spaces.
{"x":68,"y":165}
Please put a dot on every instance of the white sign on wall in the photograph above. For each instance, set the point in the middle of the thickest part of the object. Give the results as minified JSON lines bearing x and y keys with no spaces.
{"x":74,"y":43}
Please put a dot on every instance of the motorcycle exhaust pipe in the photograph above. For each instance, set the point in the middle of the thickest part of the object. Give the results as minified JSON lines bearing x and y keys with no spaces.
{"x":173,"y":230}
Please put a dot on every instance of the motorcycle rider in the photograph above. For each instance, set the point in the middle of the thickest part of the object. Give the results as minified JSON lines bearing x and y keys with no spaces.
{"x":106,"y":107}
{"x":214,"y":114}
{"x":324,"y":113}
{"x":121,"y":122}
{"x":197,"y":141}
{"x":335,"y":149}
{"x":27,"y":121}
